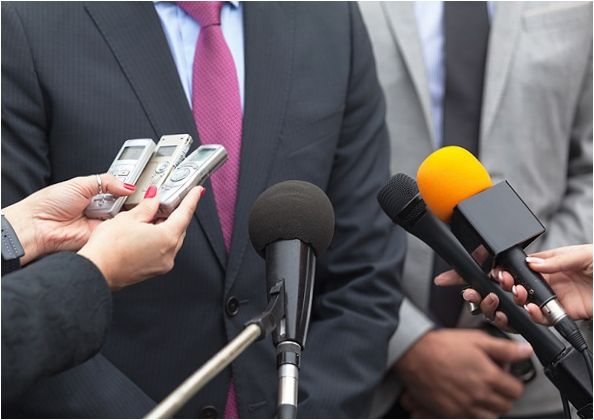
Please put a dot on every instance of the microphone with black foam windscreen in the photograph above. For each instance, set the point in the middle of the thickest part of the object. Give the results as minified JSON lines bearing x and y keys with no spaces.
{"x":291,"y":223}
{"x":458,"y":189}
{"x":401,"y":201}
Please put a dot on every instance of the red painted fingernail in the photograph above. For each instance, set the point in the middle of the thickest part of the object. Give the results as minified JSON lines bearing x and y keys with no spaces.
{"x":130,"y":187}
{"x":150,"y":192}
{"x":202,"y":192}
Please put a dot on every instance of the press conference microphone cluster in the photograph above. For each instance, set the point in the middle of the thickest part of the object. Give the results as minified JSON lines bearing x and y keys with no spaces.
{"x":290,"y":224}
{"x":458,"y":189}
{"x":401,"y":201}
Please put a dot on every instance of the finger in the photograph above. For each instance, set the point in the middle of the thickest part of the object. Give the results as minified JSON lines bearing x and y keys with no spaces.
{"x":502,"y":322}
{"x":481,"y":413}
{"x":89,"y":186}
{"x":536,"y":314}
{"x":489,"y":304}
{"x":503,"y":350}
{"x":471,"y":295}
{"x":421,"y":414}
{"x":555,"y":251}
{"x":145,"y":211}
{"x":561,"y":262}
{"x":520,"y":294}
{"x":493,"y":403}
{"x":407,"y":402}
{"x":179,"y":220}
{"x":505,"y":280}
{"x":507,"y":385}
{"x":448,"y":278}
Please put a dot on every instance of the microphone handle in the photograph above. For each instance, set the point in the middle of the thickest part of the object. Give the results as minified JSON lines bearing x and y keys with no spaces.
{"x":440,"y":238}
{"x":539,"y":292}
{"x":514,"y":261}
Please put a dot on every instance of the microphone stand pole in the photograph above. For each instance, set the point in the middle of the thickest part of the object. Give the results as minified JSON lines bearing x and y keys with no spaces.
{"x":288,"y":355}
{"x":255,"y":329}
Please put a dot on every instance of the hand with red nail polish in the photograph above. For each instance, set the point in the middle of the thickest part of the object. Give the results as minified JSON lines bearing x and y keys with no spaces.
{"x":131,"y":247}
{"x":52,"y":219}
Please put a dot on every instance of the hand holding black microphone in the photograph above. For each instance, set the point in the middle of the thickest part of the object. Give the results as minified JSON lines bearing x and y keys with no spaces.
{"x":568,"y":270}
{"x":401,"y":200}
{"x":458,"y":189}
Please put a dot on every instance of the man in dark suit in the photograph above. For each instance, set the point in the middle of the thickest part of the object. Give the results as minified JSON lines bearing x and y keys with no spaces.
{"x":78,"y":79}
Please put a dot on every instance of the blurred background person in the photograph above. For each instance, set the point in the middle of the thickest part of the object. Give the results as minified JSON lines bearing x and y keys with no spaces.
{"x":512,"y":83}
{"x":57,"y":310}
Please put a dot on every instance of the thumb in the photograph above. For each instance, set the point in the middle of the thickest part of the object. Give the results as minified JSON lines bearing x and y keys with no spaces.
{"x":146,"y":210}
{"x":503,"y":350}
{"x":89,"y":185}
{"x":557,"y":263}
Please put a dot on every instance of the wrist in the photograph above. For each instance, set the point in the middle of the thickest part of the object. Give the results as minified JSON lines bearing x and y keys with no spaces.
{"x":24,"y":227}
{"x":409,"y":359}
{"x":102,"y":265}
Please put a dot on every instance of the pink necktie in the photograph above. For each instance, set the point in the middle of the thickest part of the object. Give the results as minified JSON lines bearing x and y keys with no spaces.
{"x":216,"y":105}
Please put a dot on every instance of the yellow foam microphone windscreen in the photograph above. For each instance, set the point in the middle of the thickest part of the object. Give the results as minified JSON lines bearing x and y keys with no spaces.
{"x":448,"y":176}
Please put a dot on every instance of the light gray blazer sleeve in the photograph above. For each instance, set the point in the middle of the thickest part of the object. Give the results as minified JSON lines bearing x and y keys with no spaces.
{"x":414,"y":324}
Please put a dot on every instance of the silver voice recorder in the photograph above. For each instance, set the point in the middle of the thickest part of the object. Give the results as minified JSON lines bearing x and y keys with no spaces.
{"x":193,"y":171}
{"x":127,"y":166}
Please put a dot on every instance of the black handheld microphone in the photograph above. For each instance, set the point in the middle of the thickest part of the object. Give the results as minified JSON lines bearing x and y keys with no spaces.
{"x":290,"y":224}
{"x":494,"y":216}
{"x":401,"y":201}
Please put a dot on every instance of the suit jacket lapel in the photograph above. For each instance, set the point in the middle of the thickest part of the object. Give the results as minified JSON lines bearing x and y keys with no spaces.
{"x":134,"y":33}
{"x":504,"y":35}
{"x":269,"y":30}
{"x":402,"y":20}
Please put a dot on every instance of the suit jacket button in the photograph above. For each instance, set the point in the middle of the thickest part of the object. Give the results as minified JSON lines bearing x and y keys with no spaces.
{"x":209,"y":412}
{"x":232,"y":306}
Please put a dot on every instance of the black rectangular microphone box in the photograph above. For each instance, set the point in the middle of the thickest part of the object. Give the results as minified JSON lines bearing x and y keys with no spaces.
{"x":496,"y":218}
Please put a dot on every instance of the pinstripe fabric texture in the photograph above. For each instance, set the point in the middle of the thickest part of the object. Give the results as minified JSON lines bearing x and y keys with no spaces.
{"x":80,"y":78}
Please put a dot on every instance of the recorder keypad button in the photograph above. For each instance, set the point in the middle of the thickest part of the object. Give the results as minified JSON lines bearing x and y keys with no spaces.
{"x":161,"y":168}
{"x":180,"y":174}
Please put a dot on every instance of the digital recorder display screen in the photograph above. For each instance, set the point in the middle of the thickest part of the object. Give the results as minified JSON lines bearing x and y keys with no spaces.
{"x":165,"y":150}
{"x":202,"y":155}
{"x":131,"y":152}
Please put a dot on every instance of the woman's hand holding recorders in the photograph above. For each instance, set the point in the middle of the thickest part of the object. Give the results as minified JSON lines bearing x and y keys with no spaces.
{"x":52,"y":219}
{"x":568,"y":270}
{"x":130,"y":247}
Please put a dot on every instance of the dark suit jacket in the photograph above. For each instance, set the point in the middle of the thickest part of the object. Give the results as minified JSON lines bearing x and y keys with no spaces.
{"x":79,"y":79}
{"x":55,"y":314}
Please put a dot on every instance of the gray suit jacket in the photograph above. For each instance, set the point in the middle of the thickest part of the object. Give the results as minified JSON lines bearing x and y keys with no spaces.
{"x":80,"y":78}
{"x":536,"y":132}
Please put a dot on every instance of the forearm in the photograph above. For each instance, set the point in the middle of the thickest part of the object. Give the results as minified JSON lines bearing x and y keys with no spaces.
{"x":55,"y":314}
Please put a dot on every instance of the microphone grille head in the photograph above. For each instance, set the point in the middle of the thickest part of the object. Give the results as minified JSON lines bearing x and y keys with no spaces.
{"x":448,"y":176}
{"x":396,"y":194}
{"x":292,"y":210}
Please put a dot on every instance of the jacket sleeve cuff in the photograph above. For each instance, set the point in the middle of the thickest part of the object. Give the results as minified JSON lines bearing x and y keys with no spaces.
{"x":412,"y":325}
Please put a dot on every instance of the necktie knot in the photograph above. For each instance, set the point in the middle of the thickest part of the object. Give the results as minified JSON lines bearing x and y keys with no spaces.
{"x":206,"y":13}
